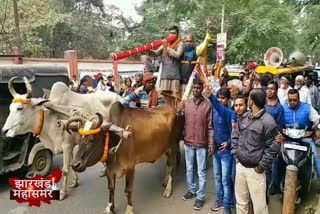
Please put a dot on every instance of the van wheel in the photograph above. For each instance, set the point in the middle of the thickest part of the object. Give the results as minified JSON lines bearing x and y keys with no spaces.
{"x":42,"y":163}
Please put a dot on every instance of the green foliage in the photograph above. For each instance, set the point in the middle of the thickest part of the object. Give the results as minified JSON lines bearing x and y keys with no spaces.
{"x":259,"y":28}
{"x":309,"y":31}
{"x":251,"y":29}
{"x":48,"y":28}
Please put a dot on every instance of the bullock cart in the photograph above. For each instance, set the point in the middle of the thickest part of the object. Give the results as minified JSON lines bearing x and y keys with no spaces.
{"x":122,"y":155}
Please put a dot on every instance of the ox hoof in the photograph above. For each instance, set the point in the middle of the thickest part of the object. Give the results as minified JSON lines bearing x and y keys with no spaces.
{"x":129,"y":210}
{"x":63,"y":195}
{"x":108,"y":209}
{"x":165,"y":182}
{"x":74,"y":185}
{"x":167,"y":191}
{"x":167,"y":194}
{"x":107,"y":212}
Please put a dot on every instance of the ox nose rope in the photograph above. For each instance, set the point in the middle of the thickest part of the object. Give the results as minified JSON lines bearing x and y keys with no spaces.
{"x":115,"y":149}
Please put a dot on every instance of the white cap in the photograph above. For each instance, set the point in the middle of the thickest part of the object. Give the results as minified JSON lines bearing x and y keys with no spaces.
{"x":299,"y":77}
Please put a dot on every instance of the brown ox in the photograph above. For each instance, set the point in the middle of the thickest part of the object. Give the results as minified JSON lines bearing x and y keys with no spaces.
{"x":154,"y":132}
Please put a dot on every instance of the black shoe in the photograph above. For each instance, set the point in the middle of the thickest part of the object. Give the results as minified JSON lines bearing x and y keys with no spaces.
{"x":216,"y":207}
{"x":273,"y":190}
{"x":188,"y":196}
{"x":198,"y":204}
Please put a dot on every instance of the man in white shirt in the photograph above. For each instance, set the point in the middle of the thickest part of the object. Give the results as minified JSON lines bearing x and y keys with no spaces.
{"x":314,"y":92}
{"x":101,"y":86}
{"x":75,"y":81}
{"x":284,"y":88}
{"x":304,"y":93}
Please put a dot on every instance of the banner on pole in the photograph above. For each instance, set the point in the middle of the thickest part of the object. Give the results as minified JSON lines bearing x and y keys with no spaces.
{"x":221,"y":46}
{"x":222,"y":39}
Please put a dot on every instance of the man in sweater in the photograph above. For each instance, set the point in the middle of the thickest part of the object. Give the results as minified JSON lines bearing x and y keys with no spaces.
{"x":198,"y":139}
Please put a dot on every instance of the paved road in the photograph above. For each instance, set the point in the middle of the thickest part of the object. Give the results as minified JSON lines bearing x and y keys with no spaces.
{"x":91,"y":195}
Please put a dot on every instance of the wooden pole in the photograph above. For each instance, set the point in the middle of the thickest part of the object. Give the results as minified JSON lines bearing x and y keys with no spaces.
{"x":289,"y":199}
{"x":222,"y":19}
{"x":115,"y":74}
{"x":72,"y":57}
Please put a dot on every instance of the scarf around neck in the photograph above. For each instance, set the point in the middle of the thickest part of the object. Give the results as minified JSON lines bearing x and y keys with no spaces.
{"x":153,"y":98}
{"x":174,"y":45}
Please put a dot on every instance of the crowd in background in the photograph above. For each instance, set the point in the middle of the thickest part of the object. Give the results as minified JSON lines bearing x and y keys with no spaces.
{"x":239,"y":121}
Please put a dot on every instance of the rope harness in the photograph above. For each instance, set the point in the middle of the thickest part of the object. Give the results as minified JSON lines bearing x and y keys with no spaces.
{"x":39,"y":126}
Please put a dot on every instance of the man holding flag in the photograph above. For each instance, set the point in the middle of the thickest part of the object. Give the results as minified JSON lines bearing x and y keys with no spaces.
{"x":192,"y":53}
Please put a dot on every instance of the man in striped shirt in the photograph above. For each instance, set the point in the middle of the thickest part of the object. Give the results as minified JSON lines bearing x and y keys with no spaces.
{"x":146,"y":95}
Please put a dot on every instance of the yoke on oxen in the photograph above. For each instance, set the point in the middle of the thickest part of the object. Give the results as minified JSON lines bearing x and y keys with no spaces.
{"x":85,"y":125}
{"x":143,"y":146}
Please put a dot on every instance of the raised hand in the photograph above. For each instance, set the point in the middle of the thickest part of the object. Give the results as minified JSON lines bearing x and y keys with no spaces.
{"x":253,"y":76}
{"x":181,"y":106}
{"x":209,"y":24}
{"x":207,"y":90}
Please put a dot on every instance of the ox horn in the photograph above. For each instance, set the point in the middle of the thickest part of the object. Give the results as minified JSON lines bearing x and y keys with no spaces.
{"x":74,"y":119}
{"x":11,"y":88}
{"x":100,"y":121}
{"x":28,"y":87}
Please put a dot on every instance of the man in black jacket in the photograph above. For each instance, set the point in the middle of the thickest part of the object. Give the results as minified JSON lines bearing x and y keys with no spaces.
{"x":254,"y":148}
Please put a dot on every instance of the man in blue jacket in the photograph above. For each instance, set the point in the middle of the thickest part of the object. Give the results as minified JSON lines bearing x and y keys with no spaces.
{"x":296,"y":111}
{"x":222,"y":160}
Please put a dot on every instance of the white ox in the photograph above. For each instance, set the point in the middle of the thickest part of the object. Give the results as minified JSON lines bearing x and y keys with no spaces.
{"x":24,"y":117}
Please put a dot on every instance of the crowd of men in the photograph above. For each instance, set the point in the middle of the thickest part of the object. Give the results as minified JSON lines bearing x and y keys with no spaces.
{"x":237,"y":121}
